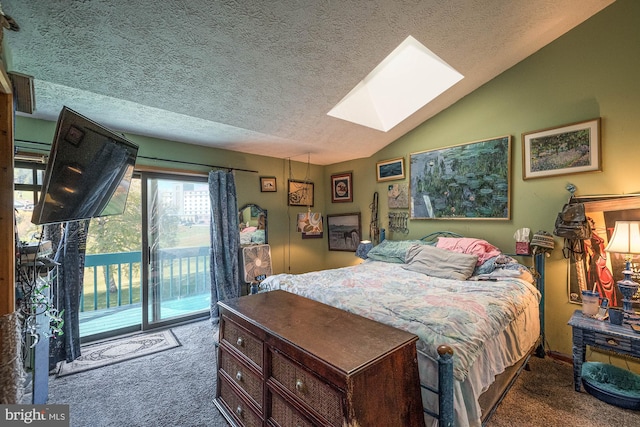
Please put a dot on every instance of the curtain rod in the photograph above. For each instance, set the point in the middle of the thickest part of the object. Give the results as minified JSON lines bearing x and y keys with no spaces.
{"x":159,"y":159}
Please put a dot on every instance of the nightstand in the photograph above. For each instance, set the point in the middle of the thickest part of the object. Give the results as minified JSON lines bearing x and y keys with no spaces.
{"x":588,"y":331}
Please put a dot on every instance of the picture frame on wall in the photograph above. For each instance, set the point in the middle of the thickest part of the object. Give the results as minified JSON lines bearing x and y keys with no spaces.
{"x":568,"y":149}
{"x":300,"y":193}
{"x":341,"y":188}
{"x":466,"y":181}
{"x":344,"y":231}
{"x":268,"y":184}
{"x":389,"y":170}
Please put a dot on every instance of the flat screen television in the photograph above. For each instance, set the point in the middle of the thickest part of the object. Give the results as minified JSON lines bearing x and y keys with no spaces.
{"x":88,"y":172}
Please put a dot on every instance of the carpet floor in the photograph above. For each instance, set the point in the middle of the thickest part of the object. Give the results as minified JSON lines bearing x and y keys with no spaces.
{"x":177,"y":387}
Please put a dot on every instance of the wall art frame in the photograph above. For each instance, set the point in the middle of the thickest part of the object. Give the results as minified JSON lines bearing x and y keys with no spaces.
{"x":595,"y":269}
{"x":300,"y":193}
{"x":342,"y":187}
{"x":268,"y":184}
{"x":466,"y":181}
{"x":568,"y":149}
{"x":389,"y":170}
{"x":344,"y":231}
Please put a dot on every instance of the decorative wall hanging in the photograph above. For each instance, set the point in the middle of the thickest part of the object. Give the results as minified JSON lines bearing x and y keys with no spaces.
{"x":595,"y":269}
{"x":268,"y":184}
{"x":300,"y":193}
{"x":468,"y":181}
{"x":399,"y":222}
{"x":341,"y":188}
{"x":563,"y":150}
{"x":388,"y":170}
{"x":344,"y":231}
{"x":310,"y":225}
{"x":398,"y":196}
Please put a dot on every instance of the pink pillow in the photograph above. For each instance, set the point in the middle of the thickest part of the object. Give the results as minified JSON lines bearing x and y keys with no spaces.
{"x":468,"y":245}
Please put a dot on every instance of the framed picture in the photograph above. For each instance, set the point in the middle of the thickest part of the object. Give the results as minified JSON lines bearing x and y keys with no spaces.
{"x":341,"y":188}
{"x":388,"y":170}
{"x":398,"y":196}
{"x":300,"y":193}
{"x":268,"y":184}
{"x":344,"y":231}
{"x":563,"y":150}
{"x":596,"y":269}
{"x":468,"y":181}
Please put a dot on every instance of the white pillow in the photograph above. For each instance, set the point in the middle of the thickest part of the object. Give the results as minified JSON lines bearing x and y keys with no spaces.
{"x":437,"y":262}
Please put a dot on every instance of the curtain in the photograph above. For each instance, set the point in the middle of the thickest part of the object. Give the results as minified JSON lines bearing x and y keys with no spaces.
{"x":70,"y":240}
{"x":225,"y":240}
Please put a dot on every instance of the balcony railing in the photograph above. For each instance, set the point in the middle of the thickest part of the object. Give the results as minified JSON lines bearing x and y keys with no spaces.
{"x":114,"y":279}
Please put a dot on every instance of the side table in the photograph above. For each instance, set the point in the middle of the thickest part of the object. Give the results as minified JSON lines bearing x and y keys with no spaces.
{"x":587,"y":331}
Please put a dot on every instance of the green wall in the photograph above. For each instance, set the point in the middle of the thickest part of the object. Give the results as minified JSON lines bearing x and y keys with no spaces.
{"x":590,"y":72}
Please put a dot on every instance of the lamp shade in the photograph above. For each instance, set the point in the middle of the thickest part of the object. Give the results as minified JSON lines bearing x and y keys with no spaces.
{"x":625,"y":238}
{"x":363,"y":248}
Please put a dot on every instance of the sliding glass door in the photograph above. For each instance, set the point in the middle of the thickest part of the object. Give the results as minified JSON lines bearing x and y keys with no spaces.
{"x":177,"y":259}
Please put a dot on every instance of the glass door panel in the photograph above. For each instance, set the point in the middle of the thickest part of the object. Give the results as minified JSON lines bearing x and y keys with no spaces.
{"x":177,"y":224}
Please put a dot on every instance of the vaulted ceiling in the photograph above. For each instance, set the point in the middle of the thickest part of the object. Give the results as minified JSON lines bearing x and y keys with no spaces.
{"x":260,"y":76}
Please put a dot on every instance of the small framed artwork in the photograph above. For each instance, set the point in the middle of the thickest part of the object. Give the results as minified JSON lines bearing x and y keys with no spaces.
{"x":344,"y":231}
{"x":388,"y":170}
{"x":268,"y":184}
{"x":398,"y":195}
{"x":571,"y":148}
{"x":300,"y":193}
{"x":341,"y":188}
{"x":310,"y":225}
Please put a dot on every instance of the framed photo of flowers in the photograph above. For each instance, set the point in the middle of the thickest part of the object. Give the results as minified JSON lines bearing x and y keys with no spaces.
{"x":568,"y":149}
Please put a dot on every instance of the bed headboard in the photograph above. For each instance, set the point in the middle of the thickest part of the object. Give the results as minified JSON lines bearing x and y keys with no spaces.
{"x":433,"y":237}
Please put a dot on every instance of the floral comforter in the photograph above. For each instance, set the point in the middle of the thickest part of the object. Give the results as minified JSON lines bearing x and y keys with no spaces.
{"x":461,"y":314}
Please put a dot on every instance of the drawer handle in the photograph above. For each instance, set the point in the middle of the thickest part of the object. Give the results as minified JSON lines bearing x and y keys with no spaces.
{"x":239,"y":376}
{"x":240,"y":341}
{"x":611,"y":341}
{"x":299,"y":385}
{"x":239,"y":411}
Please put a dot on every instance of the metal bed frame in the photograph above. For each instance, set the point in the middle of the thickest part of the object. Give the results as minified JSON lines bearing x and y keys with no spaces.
{"x":445,"y":415}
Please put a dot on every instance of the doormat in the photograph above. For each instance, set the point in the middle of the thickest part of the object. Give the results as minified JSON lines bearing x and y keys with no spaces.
{"x":118,"y":350}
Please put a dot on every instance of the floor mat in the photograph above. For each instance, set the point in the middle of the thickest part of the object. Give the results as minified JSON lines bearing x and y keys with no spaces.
{"x":118,"y":350}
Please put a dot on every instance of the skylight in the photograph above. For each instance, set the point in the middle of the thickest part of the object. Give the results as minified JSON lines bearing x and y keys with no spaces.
{"x":405,"y":81}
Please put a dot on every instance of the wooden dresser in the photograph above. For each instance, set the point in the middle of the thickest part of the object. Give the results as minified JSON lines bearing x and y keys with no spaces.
{"x":285,"y":360}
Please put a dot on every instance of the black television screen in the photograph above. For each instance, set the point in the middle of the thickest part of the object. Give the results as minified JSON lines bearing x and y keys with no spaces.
{"x":88,"y":172}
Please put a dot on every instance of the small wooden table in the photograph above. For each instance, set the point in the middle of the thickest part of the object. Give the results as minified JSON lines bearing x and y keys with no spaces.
{"x":620,"y":339}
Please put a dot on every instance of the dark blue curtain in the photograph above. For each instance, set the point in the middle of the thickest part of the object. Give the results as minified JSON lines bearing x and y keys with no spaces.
{"x":70,"y":239}
{"x":225,"y":240}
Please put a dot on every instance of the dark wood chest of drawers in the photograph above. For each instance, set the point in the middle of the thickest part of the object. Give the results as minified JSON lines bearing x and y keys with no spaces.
{"x":285,"y":360}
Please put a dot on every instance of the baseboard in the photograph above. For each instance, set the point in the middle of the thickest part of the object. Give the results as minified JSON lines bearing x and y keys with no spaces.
{"x":560,"y":356}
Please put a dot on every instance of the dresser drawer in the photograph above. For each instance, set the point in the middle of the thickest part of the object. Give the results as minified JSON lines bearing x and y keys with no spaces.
{"x":308,"y":388}
{"x":238,"y":407}
{"x":285,"y":416}
{"x":243,"y":341}
{"x":604,"y":340}
{"x":242,"y":376}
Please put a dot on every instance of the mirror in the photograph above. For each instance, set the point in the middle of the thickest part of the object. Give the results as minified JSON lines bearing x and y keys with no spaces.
{"x":252,"y":220}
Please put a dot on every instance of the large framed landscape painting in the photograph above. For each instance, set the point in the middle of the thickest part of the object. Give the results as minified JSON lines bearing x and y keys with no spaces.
{"x":344,"y":231}
{"x":467,"y":181}
{"x":593,"y":268}
{"x":563,"y":150}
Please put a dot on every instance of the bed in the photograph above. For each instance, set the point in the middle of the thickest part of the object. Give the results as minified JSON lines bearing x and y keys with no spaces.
{"x":476,"y":311}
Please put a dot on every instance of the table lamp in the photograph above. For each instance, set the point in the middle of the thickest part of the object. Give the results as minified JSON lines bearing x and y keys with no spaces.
{"x":363,"y":248}
{"x":626,"y":240}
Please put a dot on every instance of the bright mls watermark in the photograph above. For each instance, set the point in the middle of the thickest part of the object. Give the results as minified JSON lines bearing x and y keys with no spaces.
{"x":34,"y":415}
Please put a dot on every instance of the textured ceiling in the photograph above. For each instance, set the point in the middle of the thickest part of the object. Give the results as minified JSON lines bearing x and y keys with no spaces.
{"x":260,"y":76}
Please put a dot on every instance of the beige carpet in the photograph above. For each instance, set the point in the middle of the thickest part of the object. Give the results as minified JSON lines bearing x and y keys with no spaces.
{"x":118,"y":350}
{"x":544,"y":396}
